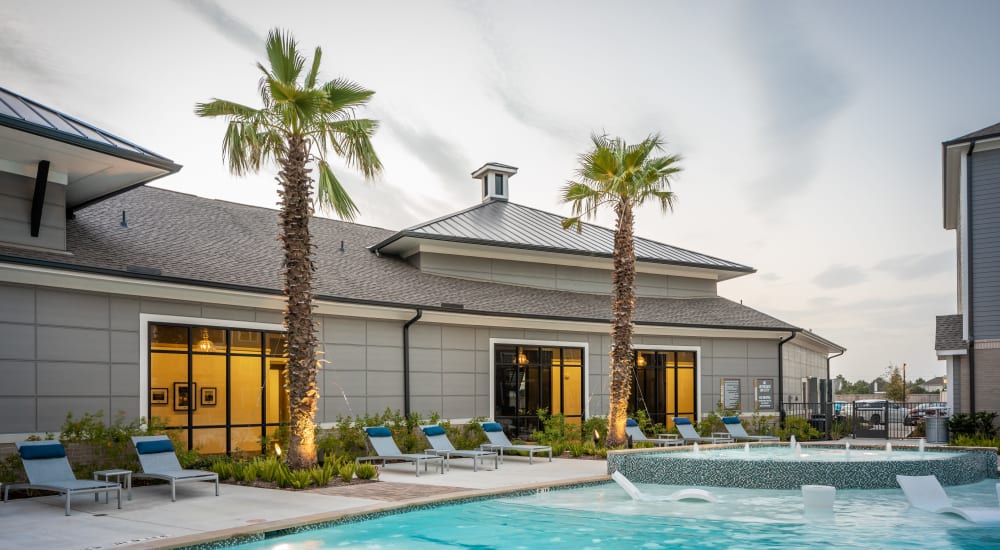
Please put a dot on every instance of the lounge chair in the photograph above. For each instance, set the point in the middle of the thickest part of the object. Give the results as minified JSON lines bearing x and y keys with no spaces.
{"x":386,"y":449}
{"x":158,"y":461}
{"x":926,"y":493}
{"x":736,"y":430}
{"x":683,"y":494}
{"x":500,"y":443}
{"x":632,"y":430}
{"x":48,"y":468}
{"x":686,"y":428}
{"x":441,"y":446}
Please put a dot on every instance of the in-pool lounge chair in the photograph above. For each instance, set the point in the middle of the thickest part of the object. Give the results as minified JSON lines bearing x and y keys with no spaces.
{"x":48,"y":468}
{"x":688,"y":433}
{"x":926,"y":493}
{"x":500,"y":443}
{"x":665,"y":440}
{"x":736,"y":430}
{"x":683,"y":494}
{"x":441,"y":446}
{"x":158,"y":461}
{"x":380,"y":438}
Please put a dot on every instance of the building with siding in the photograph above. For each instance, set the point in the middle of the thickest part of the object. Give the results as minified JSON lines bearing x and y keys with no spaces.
{"x":969,"y":341}
{"x":158,"y":303}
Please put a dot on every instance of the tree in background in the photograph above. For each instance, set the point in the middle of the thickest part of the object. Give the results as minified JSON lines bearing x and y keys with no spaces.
{"x":300,"y":121}
{"x":624,"y":177}
{"x":895,"y":390}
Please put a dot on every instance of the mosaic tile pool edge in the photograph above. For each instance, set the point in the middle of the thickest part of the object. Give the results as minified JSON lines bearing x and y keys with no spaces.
{"x":661,"y":468}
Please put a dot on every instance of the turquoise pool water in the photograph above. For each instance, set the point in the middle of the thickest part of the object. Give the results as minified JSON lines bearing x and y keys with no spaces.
{"x":603,"y":517}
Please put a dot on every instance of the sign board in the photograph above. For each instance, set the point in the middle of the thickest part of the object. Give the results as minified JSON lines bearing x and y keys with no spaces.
{"x":731,"y":394}
{"x":764,"y":393}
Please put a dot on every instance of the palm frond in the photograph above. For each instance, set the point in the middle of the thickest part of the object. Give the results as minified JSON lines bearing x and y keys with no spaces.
{"x":344,"y":95}
{"x":284,"y":57}
{"x":331,"y":195}
{"x":314,"y":71}
{"x":353,"y":139}
{"x":221,"y":107}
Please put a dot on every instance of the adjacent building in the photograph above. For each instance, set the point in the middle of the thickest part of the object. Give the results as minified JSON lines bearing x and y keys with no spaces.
{"x":969,"y":341}
{"x":120,"y":297}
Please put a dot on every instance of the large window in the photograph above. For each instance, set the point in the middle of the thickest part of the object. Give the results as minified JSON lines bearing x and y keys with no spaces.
{"x":225,"y":388}
{"x":665,"y":385}
{"x":529,"y":378}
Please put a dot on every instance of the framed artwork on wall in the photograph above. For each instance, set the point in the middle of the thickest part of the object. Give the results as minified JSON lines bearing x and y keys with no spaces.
{"x":208,"y":397}
{"x":159,"y":396}
{"x":183,"y":393}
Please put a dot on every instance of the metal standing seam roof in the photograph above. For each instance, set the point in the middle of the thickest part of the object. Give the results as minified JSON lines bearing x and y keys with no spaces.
{"x":508,"y":224}
{"x":17,"y":111}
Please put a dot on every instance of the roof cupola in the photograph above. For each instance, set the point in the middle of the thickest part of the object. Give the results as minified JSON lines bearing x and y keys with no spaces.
{"x":495,"y":178}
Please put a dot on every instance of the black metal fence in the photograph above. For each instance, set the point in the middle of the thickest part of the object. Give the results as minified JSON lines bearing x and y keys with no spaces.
{"x":879,"y":419}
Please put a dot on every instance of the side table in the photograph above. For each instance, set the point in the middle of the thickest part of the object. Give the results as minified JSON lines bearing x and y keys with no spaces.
{"x":119,"y":476}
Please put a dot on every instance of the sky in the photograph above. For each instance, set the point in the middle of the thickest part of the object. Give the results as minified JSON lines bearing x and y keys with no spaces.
{"x":810,"y":131}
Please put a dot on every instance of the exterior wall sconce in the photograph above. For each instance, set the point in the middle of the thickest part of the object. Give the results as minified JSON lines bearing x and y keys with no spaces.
{"x":641,"y":361}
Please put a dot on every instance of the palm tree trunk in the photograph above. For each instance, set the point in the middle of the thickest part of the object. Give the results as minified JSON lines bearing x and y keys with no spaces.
{"x":622,"y":308}
{"x":295,"y":213}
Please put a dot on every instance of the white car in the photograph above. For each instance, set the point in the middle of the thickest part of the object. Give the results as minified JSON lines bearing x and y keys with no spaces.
{"x":876,"y":411}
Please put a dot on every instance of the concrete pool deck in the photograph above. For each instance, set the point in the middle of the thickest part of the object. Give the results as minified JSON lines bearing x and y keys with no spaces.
{"x":150,"y":520}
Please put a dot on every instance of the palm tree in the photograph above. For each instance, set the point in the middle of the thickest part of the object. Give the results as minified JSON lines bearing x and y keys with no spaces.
{"x":624,"y":177}
{"x":300,"y":121}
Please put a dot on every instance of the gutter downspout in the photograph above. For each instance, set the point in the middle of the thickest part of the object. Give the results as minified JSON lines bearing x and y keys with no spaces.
{"x":781,"y":379}
{"x":406,"y":361}
{"x":972,"y":338}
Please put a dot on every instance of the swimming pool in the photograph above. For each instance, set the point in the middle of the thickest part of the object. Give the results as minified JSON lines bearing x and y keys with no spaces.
{"x":603,"y":517}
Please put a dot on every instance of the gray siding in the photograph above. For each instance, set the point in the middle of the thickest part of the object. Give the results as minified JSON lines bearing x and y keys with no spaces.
{"x":575,"y":279}
{"x":984,"y":202}
{"x":16,"y":193}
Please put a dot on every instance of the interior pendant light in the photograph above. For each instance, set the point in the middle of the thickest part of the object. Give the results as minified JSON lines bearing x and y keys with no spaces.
{"x":641,"y":361}
{"x":205,"y":344}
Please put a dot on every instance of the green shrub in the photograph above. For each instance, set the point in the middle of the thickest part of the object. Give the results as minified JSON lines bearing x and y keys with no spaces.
{"x":250,"y":472}
{"x":11,"y":469}
{"x":321,"y":475}
{"x":269,"y":469}
{"x":347,"y":472}
{"x":224,"y":468}
{"x":976,"y":441}
{"x":366,"y":470}
{"x":981,"y":423}
{"x":299,"y":479}
{"x":800,"y":428}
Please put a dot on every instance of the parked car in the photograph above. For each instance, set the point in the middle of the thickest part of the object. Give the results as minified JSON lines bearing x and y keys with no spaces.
{"x":924,"y":410}
{"x":877,"y":411}
{"x":842,"y":409}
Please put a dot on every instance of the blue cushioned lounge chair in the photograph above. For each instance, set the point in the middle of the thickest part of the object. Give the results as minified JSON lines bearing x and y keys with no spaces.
{"x":48,"y":468}
{"x":736,"y":430}
{"x":500,"y":443}
{"x":686,"y":428}
{"x":158,"y":461}
{"x":632,"y":430}
{"x":441,"y":446}
{"x":380,"y":438}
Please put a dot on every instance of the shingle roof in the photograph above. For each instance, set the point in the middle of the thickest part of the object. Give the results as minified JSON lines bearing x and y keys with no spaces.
{"x":215,"y":243}
{"x":508,"y":224}
{"x":948,"y":336}
{"x":19,"y":112}
{"x":989,"y":131}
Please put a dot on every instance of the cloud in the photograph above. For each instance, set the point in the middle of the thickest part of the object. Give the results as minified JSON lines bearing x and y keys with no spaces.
{"x":20,"y":57}
{"x":441,"y":156}
{"x":917,"y":266}
{"x":769,"y":277}
{"x":800,"y":93}
{"x":840,"y":276}
{"x":226,"y":23}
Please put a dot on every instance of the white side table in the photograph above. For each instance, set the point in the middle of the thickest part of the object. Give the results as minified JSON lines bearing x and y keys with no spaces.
{"x":119,"y":476}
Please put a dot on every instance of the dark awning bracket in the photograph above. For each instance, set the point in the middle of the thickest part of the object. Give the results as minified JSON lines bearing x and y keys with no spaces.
{"x":38,"y":199}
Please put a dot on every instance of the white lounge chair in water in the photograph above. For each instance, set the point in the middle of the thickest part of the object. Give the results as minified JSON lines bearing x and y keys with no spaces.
{"x":926,"y":493}
{"x":683,"y":494}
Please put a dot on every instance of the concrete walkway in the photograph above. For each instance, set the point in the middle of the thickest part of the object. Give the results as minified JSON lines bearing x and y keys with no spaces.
{"x":150,"y":520}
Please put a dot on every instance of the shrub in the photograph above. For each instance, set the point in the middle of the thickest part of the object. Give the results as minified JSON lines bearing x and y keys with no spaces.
{"x":321,"y":475}
{"x":976,"y":441}
{"x":299,"y":479}
{"x":346,"y":472}
{"x":800,"y":428}
{"x":367,"y":471}
{"x":981,"y":423}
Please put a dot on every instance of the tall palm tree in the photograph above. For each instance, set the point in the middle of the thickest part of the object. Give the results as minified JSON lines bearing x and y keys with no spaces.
{"x":624,"y":177}
{"x":300,"y":121}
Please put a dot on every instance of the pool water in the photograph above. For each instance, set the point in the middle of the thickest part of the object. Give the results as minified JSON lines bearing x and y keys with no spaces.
{"x":603,"y":517}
